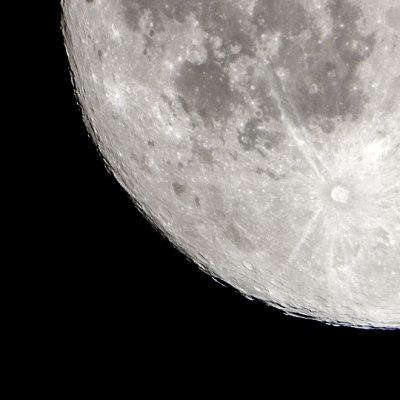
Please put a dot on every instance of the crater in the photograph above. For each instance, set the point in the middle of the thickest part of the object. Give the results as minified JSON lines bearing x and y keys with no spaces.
{"x":340,"y":194}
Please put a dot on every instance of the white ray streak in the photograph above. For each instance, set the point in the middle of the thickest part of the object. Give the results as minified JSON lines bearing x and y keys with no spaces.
{"x":306,"y":149}
{"x":306,"y":233}
{"x":331,"y":254}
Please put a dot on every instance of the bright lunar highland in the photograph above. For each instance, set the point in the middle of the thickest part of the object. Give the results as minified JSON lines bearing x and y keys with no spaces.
{"x":262,"y":137}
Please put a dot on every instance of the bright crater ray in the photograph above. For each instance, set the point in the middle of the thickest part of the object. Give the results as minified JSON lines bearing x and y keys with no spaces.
{"x":261,"y":136}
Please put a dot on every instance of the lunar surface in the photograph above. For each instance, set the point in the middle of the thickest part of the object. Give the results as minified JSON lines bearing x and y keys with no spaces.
{"x":262,"y":137}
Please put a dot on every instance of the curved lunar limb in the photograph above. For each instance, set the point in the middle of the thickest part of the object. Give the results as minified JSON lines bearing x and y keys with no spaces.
{"x":261,"y":136}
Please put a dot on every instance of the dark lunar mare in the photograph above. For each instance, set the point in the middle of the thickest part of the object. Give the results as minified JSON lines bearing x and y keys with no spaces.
{"x":322,"y":85}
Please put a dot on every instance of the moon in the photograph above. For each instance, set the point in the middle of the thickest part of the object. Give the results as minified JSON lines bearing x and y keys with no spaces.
{"x":262,"y":137}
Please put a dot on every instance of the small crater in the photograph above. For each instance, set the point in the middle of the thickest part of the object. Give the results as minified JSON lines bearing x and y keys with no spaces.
{"x":248,"y":137}
{"x":268,"y":105}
